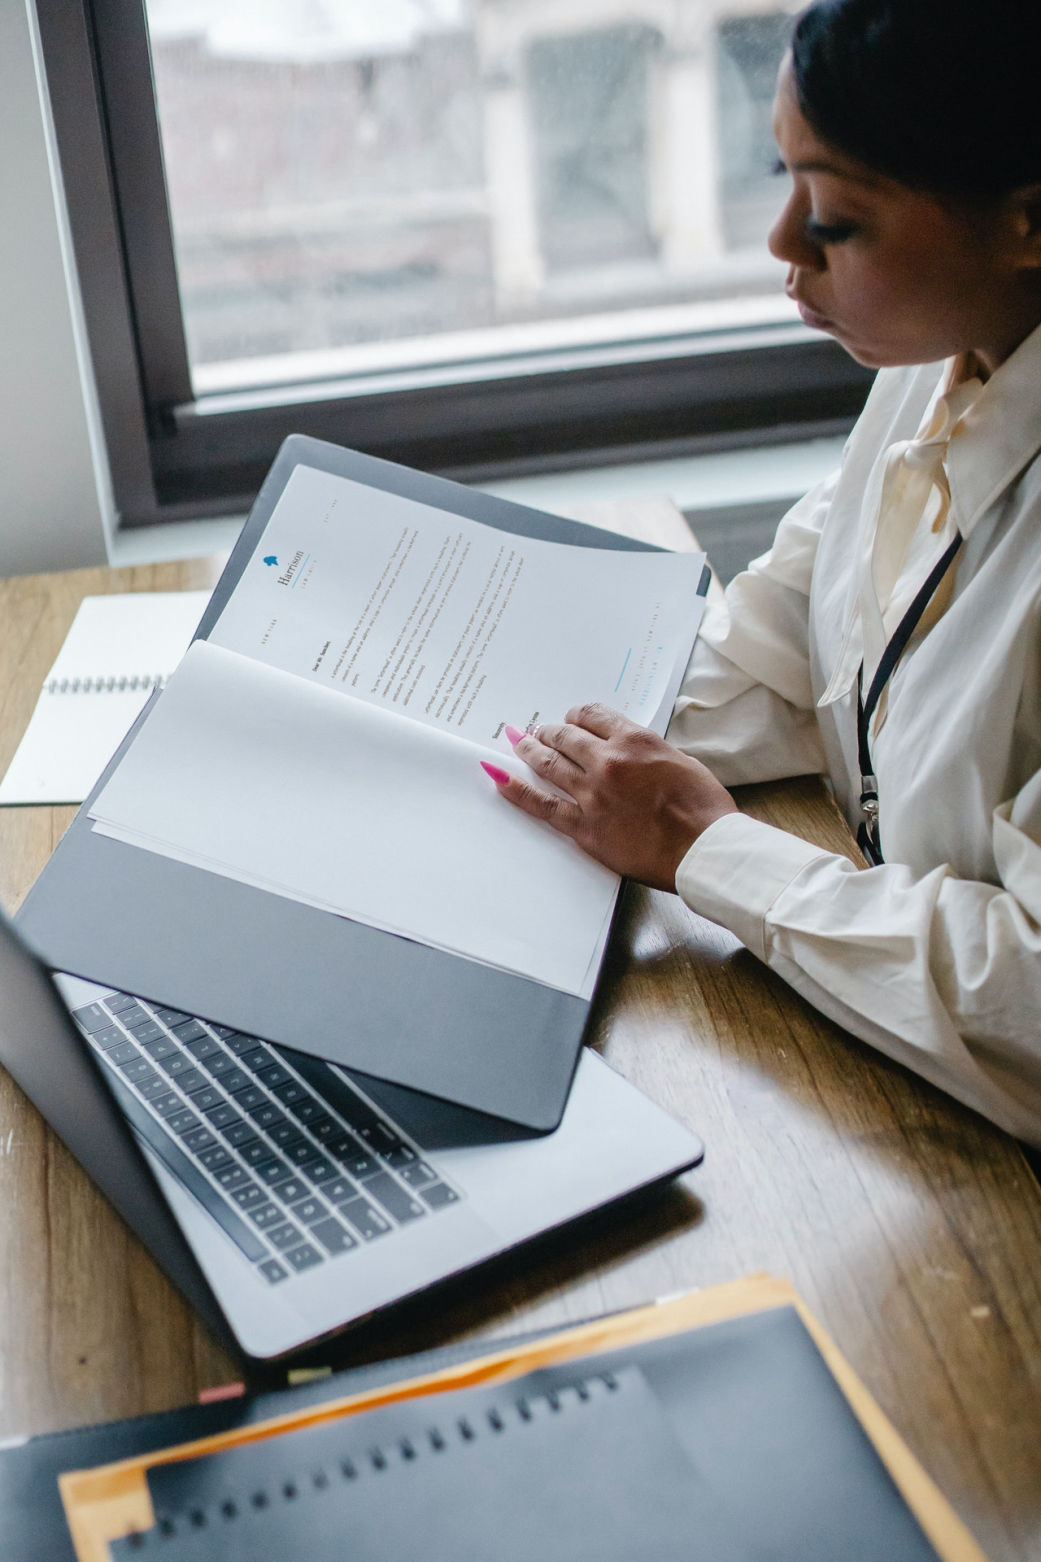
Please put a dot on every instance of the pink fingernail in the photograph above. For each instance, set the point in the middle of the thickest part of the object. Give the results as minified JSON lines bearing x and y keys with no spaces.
{"x":500,"y":777}
{"x":515,"y":734}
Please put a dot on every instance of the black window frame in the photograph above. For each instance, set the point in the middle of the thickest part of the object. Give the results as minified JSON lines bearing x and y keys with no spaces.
{"x":175,"y":456}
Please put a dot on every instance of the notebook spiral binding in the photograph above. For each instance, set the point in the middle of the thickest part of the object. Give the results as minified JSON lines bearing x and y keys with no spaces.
{"x":112,"y":684}
{"x":378,"y":1459}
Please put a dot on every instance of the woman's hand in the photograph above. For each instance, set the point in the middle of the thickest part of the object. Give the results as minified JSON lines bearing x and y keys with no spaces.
{"x":630,"y":799}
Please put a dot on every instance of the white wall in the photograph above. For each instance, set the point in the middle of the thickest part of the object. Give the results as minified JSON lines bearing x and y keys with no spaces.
{"x":56,"y":507}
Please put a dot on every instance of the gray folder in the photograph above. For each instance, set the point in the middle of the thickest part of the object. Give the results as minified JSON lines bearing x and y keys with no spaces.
{"x":240,"y":956}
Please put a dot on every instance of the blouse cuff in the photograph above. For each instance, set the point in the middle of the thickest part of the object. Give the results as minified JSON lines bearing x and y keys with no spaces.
{"x":735,"y":871}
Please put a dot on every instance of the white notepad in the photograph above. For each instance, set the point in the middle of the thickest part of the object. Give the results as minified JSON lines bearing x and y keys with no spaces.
{"x":118,"y":649}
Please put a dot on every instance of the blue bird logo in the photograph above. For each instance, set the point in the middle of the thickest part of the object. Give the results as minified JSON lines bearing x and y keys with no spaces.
{"x":271,"y":559}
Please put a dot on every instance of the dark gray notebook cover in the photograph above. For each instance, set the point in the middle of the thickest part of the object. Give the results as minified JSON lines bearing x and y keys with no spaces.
{"x":731,"y":1441}
{"x":32,"y":1522}
{"x":239,"y":956}
{"x":590,"y":1469}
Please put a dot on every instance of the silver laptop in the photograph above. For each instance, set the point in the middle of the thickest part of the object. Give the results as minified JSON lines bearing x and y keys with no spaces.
{"x":295,"y":1198}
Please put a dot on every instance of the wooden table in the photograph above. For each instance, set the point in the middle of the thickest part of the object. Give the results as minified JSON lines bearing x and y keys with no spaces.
{"x":909,"y":1225}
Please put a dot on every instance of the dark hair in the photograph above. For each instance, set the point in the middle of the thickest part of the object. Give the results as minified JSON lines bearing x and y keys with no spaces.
{"x":943,"y":95}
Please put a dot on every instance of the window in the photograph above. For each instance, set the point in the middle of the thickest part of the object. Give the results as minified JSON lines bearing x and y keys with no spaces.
{"x":474,"y":235}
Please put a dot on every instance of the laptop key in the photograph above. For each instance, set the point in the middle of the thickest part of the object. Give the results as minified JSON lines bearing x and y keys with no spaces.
{"x":255,"y":1151}
{"x":284,"y":1134}
{"x":190,"y":1030}
{"x":153,"y":1088}
{"x":232,"y":1176}
{"x":338,"y":1189}
{"x":360,"y":1164}
{"x":254,"y":1055}
{"x":176,"y":1065}
{"x":134,"y":1014}
{"x":401,"y":1205}
{"x":308,"y":1112}
{"x":171,"y":1017}
{"x":366,"y":1220}
{"x":333,"y":1237}
{"x":92,"y":1017}
{"x":309,"y":1210}
{"x":116,"y":1003}
{"x":215,"y":1158}
{"x":206,"y":1099}
{"x":223,"y":1116}
{"x":272,"y":1172}
{"x":324,"y":1128}
{"x":283,"y":1236}
{"x":268,"y":1117}
{"x":204,"y":1047}
{"x":417,"y":1174}
{"x":303,"y":1257}
{"x":199,"y":1139}
{"x":438,"y":1194}
{"x":182,"y":1121}
{"x":292,"y":1189}
{"x":220,"y":1065}
{"x":123,"y":1053}
{"x":165,"y":1104}
{"x":299,"y":1151}
{"x":144,"y":1030}
{"x":239,"y":1133}
{"x":140,"y":1071}
{"x":399,"y":1157}
{"x":249,"y":1098}
{"x":237,"y":1042}
{"x":379,"y":1138}
{"x":191,"y":1080}
{"x":295,"y":1096}
{"x":104,"y":1039}
{"x":161,"y":1047}
{"x":249,"y":1194}
{"x":264,"y":1215}
{"x":273,"y":1074}
{"x":273,"y":1271}
{"x":233,"y":1080}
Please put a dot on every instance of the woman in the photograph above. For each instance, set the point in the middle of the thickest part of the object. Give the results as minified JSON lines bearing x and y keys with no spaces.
{"x":910,"y":132}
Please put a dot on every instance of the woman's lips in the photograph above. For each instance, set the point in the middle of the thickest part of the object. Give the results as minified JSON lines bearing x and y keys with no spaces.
{"x":811,"y":318}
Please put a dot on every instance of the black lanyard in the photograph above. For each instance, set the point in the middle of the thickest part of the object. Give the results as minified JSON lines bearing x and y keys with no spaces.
{"x":867,"y":835}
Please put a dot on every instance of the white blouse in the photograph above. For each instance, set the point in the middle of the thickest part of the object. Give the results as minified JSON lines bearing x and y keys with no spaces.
{"x":935,"y":956}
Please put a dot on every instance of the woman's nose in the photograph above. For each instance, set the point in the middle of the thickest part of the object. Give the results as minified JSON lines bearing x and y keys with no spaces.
{"x":787,"y":240}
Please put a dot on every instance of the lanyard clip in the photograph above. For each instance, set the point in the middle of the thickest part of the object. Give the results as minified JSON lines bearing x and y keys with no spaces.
{"x":867,"y":835}
{"x":869,"y":798}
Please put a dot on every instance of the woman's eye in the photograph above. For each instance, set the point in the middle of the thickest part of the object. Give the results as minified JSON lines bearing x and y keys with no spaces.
{"x":828,"y":233}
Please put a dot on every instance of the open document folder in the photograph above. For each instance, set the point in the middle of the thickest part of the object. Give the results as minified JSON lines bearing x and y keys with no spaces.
{"x":323,"y":743}
{"x":445,"y":611}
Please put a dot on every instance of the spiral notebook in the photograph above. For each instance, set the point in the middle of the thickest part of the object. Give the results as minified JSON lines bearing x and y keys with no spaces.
{"x":720,"y":1424}
{"x":118,"y":649}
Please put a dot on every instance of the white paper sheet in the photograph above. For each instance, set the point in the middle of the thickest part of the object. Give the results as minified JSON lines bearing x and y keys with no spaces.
{"x":281,"y":783}
{"x":117,"y":650}
{"x":451,"y":622}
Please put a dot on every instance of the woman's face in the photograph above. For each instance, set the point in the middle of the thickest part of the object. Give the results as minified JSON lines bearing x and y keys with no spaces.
{"x":895,"y":275}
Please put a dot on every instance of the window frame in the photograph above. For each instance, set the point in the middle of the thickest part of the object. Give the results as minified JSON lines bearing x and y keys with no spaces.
{"x":175,"y":456}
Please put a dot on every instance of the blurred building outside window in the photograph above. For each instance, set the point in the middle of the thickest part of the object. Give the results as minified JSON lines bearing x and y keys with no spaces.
{"x":364,"y":184}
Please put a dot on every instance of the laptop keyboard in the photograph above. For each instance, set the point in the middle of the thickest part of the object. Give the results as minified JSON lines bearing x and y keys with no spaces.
{"x":295,"y":1165}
